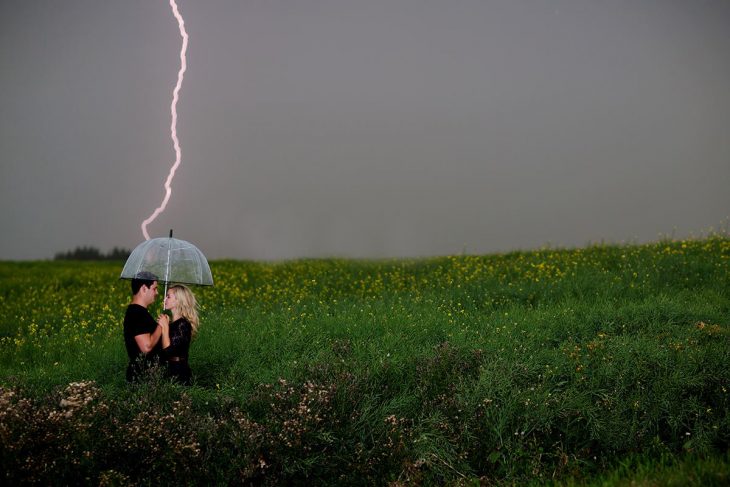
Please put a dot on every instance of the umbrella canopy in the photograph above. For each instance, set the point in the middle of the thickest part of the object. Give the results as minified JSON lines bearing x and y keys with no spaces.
{"x":171,"y":260}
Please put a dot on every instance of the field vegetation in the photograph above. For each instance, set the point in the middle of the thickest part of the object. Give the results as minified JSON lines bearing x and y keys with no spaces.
{"x":604,"y":365}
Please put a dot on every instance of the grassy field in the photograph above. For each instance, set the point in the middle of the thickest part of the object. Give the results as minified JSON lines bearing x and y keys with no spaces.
{"x":607,"y":365}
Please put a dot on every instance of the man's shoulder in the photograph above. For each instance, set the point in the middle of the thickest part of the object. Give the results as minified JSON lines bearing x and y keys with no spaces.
{"x":136,"y":309}
{"x":137,"y":316}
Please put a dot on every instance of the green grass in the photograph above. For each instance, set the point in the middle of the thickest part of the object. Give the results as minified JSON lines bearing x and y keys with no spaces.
{"x":598,"y":366}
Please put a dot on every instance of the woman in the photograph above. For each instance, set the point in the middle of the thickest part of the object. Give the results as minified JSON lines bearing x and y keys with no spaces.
{"x":176,"y":335}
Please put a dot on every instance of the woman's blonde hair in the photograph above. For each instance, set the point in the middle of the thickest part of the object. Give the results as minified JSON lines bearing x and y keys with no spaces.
{"x":188,"y":305}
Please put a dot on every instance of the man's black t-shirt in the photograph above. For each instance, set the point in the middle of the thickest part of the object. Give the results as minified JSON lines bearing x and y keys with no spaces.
{"x":138,"y":321}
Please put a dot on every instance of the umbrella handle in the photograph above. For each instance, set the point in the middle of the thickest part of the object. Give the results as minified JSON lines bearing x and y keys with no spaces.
{"x":167,"y":272}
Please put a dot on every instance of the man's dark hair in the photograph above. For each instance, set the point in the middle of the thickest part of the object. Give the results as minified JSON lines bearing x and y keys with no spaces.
{"x":143,"y":278}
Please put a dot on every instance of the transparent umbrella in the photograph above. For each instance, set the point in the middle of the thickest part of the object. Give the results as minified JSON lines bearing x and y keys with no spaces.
{"x":172,"y":260}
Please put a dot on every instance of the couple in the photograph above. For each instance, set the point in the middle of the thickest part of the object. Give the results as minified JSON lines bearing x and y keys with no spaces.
{"x":165,"y":341}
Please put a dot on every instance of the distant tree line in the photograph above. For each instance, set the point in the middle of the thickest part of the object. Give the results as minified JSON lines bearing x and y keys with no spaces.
{"x":92,"y":253}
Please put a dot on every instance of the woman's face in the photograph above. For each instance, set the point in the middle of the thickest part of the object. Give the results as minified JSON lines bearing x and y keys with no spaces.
{"x":170,"y":299}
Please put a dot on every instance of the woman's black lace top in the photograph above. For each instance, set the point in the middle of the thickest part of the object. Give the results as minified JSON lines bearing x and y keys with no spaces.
{"x":181,"y":332}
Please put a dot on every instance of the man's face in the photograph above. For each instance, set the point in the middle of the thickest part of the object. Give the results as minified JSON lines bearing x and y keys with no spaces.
{"x":150,"y":293}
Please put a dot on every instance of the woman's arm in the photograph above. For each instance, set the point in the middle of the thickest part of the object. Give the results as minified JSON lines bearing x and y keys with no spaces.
{"x":166,"y":334}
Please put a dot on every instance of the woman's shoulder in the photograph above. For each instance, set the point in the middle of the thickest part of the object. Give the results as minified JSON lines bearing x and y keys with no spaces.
{"x":183,"y":323}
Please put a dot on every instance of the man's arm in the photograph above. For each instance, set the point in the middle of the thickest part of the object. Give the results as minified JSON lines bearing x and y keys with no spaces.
{"x":147,"y":341}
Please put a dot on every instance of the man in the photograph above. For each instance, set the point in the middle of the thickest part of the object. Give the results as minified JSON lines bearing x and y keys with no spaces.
{"x":141,"y":332}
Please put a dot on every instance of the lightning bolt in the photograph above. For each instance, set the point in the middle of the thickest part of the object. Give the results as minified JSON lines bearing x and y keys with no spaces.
{"x":173,"y":125}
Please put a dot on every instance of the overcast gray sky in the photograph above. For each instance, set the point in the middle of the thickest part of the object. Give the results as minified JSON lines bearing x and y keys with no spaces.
{"x":363,"y":128}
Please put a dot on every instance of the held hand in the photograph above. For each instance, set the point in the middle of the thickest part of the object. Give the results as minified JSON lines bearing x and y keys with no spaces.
{"x":164,"y":321}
